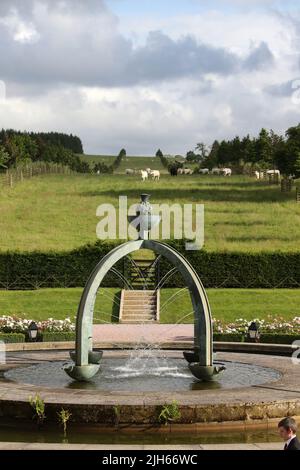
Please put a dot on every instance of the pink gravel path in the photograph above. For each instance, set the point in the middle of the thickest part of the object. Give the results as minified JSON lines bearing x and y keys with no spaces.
{"x":116,"y":333}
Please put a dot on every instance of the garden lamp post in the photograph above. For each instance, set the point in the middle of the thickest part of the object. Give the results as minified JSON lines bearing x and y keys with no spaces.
{"x":253,"y":332}
{"x":32,"y":331}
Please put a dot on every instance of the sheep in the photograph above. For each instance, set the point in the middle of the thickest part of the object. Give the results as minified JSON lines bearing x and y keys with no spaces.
{"x":155,"y":175}
{"x":144,"y":175}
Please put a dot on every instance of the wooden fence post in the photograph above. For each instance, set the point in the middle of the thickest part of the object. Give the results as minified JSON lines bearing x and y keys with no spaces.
{"x":286,"y":185}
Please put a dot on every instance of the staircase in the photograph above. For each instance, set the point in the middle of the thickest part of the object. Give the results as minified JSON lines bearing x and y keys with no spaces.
{"x":143,"y":274}
{"x":139,"y":306}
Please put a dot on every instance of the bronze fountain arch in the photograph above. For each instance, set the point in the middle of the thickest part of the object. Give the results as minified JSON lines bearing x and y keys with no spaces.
{"x":87,"y":361}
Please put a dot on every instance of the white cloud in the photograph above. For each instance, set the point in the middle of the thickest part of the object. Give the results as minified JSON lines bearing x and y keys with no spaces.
{"x":77,"y":68}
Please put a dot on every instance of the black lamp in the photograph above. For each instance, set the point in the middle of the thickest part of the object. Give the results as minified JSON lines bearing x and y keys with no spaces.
{"x":32,"y":331}
{"x":253,"y":332}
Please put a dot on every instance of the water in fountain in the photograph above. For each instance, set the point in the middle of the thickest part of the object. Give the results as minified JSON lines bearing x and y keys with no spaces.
{"x":147,"y":360}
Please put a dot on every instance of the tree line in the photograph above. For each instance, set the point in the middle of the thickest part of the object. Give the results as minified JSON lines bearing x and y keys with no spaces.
{"x":266,"y":151}
{"x":21,"y":148}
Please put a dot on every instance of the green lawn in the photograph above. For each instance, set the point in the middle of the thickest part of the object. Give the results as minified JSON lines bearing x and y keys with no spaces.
{"x":58,"y":212}
{"x":226,"y":304}
{"x":136,"y":162}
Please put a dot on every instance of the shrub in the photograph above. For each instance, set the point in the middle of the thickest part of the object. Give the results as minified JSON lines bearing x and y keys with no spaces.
{"x":50,"y":336}
{"x":278,"y":338}
{"x":227,"y":269}
{"x":228,"y":337}
{"x":38,"y":405}
{"x":169,"y":413}
{"x":12,"y":337}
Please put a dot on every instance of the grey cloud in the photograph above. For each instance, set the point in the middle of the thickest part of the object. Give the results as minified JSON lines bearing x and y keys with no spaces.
{"x":281,"y":89}
{"x":163,"y":58}
{"x":94,"y":53}
{"x":259,"y":57}
{"x":25,"y":7}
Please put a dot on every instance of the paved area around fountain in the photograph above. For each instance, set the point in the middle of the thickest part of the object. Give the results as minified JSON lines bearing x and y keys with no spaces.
{"x":99,"y":447}
{"x":156,"y":333}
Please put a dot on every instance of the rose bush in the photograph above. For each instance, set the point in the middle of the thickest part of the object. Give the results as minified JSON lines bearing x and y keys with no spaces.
{"x":12,"y":324}
{"x":271,"y":325}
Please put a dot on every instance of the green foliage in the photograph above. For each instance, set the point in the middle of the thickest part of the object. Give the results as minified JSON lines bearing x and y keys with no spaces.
{"x":23,"y":147}
{"x":63,"y":419}
{"x":53,"y":336}
{"x":262,"y":152}
{"x":122,"y":153}
{"x":38,"y":405}
{"x":102,"y":167}
{"x":226,"y":269}
{"x":108,"y":167}
{"x":297,"y":165}
{"x":12,"y":337}
{"x":164,"y":161}
{"x":228,"y":337}
{"x":278,"y":338}
{"x":4,"y":157}
{"x":192,"y":157}
{"x":269,"y":338}
{"x":117,"y":414}
{"x":169,"y":413}
{"x":159,"y":153}
{"x":173,"y":167}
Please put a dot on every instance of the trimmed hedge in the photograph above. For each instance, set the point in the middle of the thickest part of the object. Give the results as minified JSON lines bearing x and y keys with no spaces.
{"x":12,"y":337}
{"x":216,"y":269}
{"x":228,"y":337}
{"x":279,"y":338}
{"x":50,"y":336}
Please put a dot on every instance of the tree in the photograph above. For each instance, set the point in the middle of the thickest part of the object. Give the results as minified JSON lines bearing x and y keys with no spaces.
{"x":190,"y":156}
{"x":248,"y":149}
{"x":159,"y":153}
{"x":297,"y":166}
{"x":201,"y":147}
{"x":212,"y":158}
{"x":4,"y":157}
{"x":287,"y":155}
{"x":122,"y":153}
{"x":264,"y":148}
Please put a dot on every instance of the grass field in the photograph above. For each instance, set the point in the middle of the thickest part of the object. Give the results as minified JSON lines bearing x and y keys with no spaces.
{"x":58,"y":212}
{"x":135,"y":163}
{"x":226,"y":304}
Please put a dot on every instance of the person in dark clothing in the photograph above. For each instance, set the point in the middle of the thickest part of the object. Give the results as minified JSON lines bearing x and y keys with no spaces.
{"x":287,"y":429}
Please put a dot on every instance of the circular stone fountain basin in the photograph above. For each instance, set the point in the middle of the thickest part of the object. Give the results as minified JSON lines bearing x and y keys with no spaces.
{"x":144,"y":374}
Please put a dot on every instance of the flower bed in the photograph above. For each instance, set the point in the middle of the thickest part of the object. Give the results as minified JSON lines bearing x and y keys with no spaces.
{"x":272,"y":330}
{"x":48,"y":330}
{"x":274,"y":325}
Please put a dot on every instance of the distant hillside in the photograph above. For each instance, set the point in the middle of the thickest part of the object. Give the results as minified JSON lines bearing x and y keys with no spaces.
{"x":133,"y":162}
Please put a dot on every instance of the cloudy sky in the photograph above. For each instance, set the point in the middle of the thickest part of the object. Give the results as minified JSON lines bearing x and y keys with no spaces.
{"x":143,"y":74}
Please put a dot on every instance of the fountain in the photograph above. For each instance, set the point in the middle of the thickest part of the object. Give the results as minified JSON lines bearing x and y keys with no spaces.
{"x":255,"y":388}
{"x":86,"y":361}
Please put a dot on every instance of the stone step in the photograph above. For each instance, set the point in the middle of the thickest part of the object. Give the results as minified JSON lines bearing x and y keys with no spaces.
{"x":138,"y":322}
{"x":139,"y":312}
{"x":138,"y":318}
{"x":142,"y":306}
{"x":140,"y":299}
{"x":142,"y":314}
{"x":145,"y":291}
{"x":139,"y":294}
{"x":139,"y":306}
